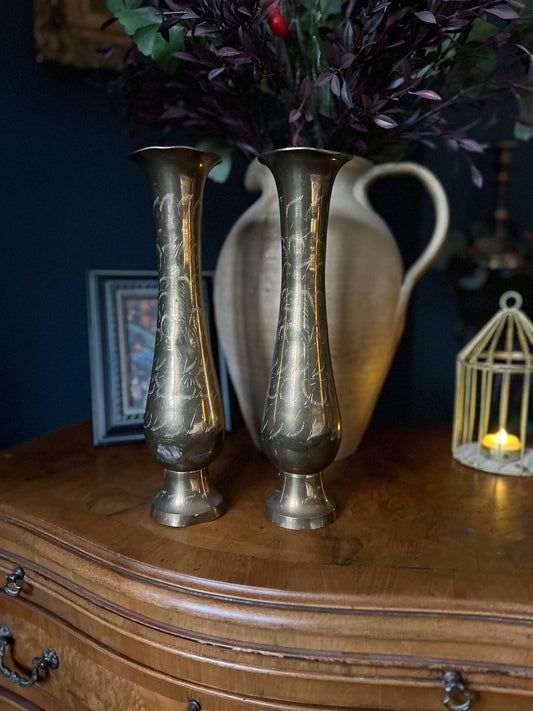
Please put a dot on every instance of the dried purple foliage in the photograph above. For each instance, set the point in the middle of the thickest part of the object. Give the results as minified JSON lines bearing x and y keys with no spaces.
{"x":364,"y":77}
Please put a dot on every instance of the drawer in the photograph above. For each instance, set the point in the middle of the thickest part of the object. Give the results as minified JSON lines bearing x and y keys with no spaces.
{"x":10,"y":701}
{"x":110,"y":660}
{"x":90,"y":676}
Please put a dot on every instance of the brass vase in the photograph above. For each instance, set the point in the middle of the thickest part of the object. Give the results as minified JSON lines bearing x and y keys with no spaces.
{"x":184,"y":418}
{"x":301,"y":427}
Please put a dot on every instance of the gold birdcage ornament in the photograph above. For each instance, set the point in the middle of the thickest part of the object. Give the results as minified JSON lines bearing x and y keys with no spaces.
{"x":491,"y":412}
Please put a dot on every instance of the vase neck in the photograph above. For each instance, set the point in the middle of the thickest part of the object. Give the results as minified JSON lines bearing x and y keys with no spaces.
{"x":177,"y":178}
{"x":304,"y":180}
{"x":175,"y":168}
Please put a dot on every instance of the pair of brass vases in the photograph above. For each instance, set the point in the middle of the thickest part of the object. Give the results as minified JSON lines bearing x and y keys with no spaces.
{"x":184,"y":420}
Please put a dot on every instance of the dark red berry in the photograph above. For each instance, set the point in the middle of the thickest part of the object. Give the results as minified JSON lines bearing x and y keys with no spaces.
{"x":277,"y":23}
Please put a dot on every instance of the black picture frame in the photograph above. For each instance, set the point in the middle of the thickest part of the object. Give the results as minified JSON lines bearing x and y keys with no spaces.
{"x":122,"y":319}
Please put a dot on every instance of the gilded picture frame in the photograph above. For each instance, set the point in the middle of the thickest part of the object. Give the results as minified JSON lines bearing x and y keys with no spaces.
{"x":70,"y":33}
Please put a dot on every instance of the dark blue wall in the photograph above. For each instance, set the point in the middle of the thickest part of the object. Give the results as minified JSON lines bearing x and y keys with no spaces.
{"x":72,"y":200}
{"x":435,"y":312}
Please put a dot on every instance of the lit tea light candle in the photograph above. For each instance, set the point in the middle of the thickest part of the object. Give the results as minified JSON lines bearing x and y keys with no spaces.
{"x":501,"y":445}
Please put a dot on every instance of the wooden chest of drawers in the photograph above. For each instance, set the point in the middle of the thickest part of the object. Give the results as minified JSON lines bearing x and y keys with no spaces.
{"x":428,"y":569}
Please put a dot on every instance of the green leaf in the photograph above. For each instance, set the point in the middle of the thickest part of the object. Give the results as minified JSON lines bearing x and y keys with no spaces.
{"x":320,"y":62}
{"x":331,"y":6}
{"x":481,"y":31}
{"x":220,"y":173}
{"x":392,"y":152}
{"x":133,"y":19}
{"x":116,"y":6}
{"x":145,"y":38}
{"x":309,"y":4}
{"x":152,"y":44}
{"x":319,"y":12}
{"x":474,"y":65}
{"x":522,"y":132}
{"x":324,"y":97}
{"x":525,"y":23}
{"x":142,"y":23}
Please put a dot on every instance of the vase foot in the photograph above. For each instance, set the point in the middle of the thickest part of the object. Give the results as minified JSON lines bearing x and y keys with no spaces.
{"x":187,"y":498}
{"x":300,"y":502}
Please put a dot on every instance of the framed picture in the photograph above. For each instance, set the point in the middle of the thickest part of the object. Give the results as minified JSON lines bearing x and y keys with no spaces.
{"x":71,"y":33}
{"x":122,"y":317}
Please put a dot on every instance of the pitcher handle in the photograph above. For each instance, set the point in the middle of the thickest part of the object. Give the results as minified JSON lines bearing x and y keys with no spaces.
{"x":442,"y":216}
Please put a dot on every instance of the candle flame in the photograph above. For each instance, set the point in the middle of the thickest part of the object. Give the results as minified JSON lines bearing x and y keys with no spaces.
{"x":501,"y":436}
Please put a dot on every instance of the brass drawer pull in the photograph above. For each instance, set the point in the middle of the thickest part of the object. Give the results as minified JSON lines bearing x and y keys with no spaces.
{"x":48,"y":660}
{"x":14,"y":581}
{"x":457,"y":697}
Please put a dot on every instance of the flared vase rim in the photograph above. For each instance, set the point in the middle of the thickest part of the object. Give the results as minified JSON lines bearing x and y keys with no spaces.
{"x":303,"y":149}
{"x":354,"y":159}
{"x":215,"y":157}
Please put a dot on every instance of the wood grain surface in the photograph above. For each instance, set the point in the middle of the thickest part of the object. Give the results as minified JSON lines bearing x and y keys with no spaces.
{"x":428,"y":567}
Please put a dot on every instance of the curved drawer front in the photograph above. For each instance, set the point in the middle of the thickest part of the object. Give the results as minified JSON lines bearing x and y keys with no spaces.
{"x":111,"y":658}
{"x":10,"y":701}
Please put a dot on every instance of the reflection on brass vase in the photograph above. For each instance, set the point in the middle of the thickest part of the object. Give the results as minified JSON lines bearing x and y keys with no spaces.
{"x":301,"y":427}
{"x":184,"y":418}
{"x":367,"y":290}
